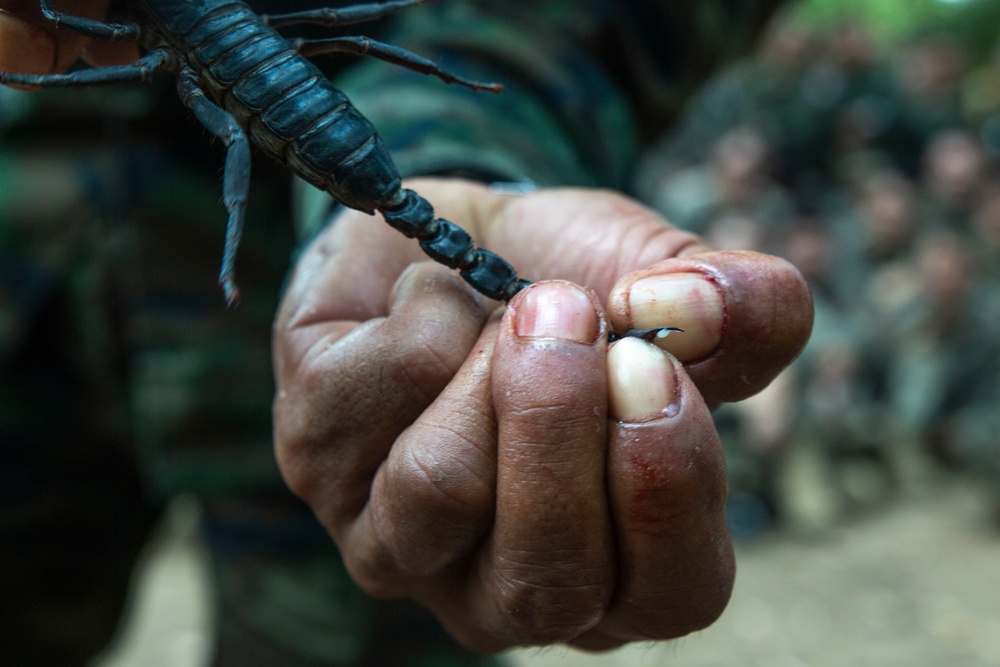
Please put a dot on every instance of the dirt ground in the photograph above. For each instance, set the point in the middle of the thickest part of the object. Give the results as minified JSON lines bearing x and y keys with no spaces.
{"x":915,"y":584}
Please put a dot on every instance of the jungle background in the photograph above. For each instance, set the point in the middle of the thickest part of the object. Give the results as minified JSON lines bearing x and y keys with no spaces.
{"x":861,"y":141}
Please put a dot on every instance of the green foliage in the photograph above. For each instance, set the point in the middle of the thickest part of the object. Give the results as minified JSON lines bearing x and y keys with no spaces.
{"x":975,"y":23}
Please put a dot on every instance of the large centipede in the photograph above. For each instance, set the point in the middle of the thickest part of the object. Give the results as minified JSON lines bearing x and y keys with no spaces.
{"x":248,"y":84}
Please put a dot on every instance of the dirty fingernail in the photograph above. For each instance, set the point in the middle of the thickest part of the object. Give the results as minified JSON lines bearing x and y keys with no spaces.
{"x":556,"y":310}
{"x":642,"y":384}
{"x":690,"y":301}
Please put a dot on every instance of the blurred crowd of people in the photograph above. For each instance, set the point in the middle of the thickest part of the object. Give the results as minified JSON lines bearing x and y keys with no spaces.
{"x":876,"y":173}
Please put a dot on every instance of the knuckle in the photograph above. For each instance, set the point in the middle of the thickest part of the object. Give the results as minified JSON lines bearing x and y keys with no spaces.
{"x":375,"y":575}
{"x":395,"y":545}
{"x":673,"y":614}
{"x":295,"y":475}
{"x":304,"y":436}
{"x":425,"y":367}
{"x":431,"y":517}
{"x":442,"y":488}
{"x":540,"y":612}
{"x":292,"y":452}
{"x":557,"y":417}
{"x":373,"y":554}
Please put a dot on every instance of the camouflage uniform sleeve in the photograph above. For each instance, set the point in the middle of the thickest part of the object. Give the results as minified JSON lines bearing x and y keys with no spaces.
{"x":585,"y":83}
{"x":560,"y":120}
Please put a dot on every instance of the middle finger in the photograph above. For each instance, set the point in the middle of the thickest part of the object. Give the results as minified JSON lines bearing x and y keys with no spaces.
{"x":547,"y":571}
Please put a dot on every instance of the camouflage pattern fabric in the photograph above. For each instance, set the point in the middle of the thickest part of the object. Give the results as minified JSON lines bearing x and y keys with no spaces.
{"x":587,"y":84}
{"x":126,"y":382}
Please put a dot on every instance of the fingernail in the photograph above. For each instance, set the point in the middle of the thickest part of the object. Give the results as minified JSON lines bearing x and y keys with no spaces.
{"x":556,"y":310}
{"x":690,"y":301}
{"x":642,"y":382}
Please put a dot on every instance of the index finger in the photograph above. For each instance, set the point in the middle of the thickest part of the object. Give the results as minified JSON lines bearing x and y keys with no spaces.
{"x":745,"y":315}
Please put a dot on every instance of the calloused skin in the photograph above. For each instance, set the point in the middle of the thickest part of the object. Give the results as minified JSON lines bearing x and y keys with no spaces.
{"x":505,"y":466}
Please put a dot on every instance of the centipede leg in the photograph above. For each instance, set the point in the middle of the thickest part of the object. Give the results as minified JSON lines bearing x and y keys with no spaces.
{"x":363,"y":46}
{"x":236,"y":178}
{"x":139,"y":71}
{"x":114,"y":32}
{"x":328,"y":17}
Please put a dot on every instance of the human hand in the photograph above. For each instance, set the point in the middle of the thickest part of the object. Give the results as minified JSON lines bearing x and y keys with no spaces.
{"x":30,"y":45}
{"x":508,"y":470}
